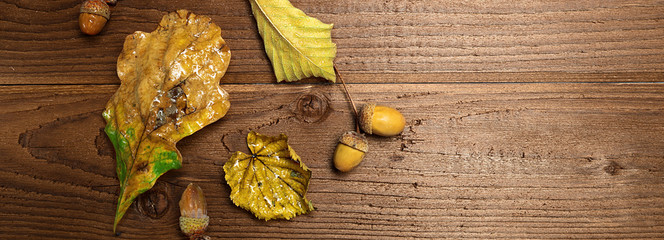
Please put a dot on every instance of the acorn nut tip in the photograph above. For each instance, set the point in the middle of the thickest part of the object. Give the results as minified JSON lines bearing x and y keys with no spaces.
{"x":381,"y":120}
{"x":350,"y":151}
{"x":93,"y":16}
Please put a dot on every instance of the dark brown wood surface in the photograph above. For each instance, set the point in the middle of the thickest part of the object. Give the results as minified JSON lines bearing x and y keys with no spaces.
{"x":525,"y":119}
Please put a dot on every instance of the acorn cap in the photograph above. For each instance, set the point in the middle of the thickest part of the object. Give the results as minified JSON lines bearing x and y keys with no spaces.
{"x":366,"y":114}
{"x":355,"y":140}
{"x":191,"y":226}
{"x":97,"y":7}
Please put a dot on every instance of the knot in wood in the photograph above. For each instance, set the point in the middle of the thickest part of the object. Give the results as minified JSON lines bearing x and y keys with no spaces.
{"x":104,"y":145}
{"x":612,"y":168}
{"x":154,"y":203}
{"x":312,"y":107}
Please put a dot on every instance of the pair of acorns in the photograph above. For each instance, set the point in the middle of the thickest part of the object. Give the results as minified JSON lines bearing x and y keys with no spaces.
{"x":93,"y":15}
{"x":374,"y":119}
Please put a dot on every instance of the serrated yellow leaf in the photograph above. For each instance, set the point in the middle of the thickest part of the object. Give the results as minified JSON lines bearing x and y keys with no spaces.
{"x":299,"y":46}
{"x":272,"y":182}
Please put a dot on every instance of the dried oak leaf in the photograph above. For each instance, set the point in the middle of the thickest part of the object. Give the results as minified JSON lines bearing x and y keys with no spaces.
{"x":272,"y":182}
{"x":169,"y":90}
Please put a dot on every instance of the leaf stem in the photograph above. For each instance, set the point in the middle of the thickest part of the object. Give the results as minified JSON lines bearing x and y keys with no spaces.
{"x":357,"y":116}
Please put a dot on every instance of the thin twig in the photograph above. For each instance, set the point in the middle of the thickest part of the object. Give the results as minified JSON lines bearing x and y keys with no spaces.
{"x":357,"y":116}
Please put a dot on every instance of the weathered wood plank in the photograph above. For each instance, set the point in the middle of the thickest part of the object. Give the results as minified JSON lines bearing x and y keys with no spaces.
{"x":560,"y":137}
{"x":41,"y":44}
{"x":492,"y":160}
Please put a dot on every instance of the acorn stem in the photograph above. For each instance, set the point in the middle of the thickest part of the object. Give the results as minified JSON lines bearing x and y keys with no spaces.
{"x":199,"y":237}
{"x":357,"y":124}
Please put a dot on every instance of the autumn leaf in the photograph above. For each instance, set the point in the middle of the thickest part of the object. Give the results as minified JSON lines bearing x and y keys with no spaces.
{"x":299,"y":46}
{"x":272,"y":182}
{"x":169,"y":90}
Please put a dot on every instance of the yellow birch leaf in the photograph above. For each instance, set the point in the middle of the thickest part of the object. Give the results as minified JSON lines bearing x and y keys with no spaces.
{"x":299,"y":46}
{"x":272,"y":181}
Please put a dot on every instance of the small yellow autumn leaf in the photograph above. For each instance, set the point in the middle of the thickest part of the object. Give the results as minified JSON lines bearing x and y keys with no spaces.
{"x":299,"y":46}
{"x":272,"y":182}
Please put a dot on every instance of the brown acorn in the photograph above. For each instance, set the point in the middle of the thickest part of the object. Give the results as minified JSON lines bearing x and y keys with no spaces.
{"x":350,"y":151}
{"x":193,"y":213}
{"x":93,"y":16}
{"x":381,"y":120}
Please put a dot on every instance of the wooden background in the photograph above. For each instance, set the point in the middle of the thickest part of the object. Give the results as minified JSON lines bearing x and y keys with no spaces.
{"x":525,"y":119}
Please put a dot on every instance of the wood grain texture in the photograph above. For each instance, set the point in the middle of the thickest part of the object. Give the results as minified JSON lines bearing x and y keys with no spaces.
{"x":525,"y":119}
{"x":476,"y":161}
{"x":41,"y":44}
